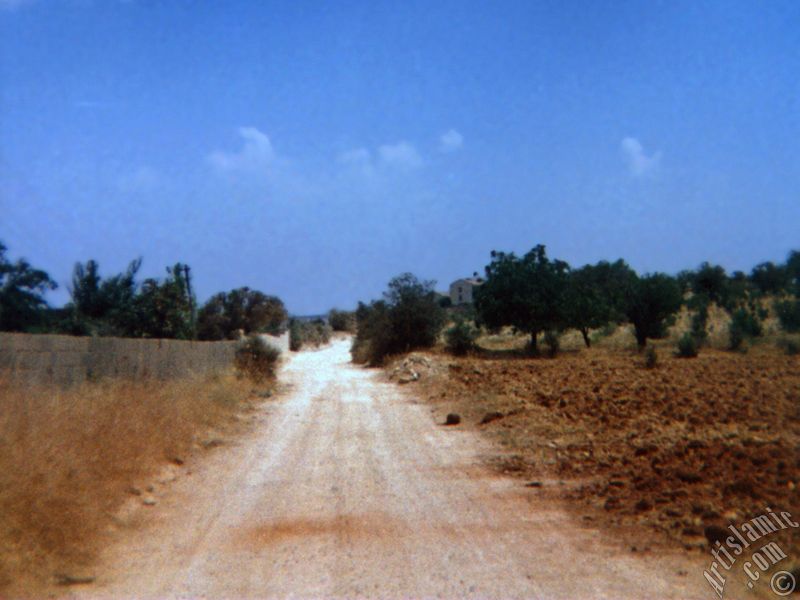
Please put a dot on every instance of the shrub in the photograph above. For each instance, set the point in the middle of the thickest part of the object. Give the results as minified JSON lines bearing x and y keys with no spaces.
{"x":605,"y":331}
{"x":408,"y":317}
{"x":256,"y":359}
{"x":687,"y":346}
{"x":744,"y":324}
{"x":460,"y":338}
{"x":790,"y":347}
{"x":788,"y":313}
{"x":650,"y":358}
{"x":551,"y":340}
{"x":295,"y":336}
{"x":736,"y":337}
{"x":342,"y":320}
{"x":699,"y":319}
{"x":308,"y":333}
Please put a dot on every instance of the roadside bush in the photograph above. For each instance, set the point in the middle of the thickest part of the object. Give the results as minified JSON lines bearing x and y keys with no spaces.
{"x":342,"y":320}
{"x":460,"y":338}
{"x":308,"y":333}
{"x":295,"y":337}
{"x":788,"y":313}
{"x":409,"y":317}
{"x":256,"y":359}
{"x":687,"y":346}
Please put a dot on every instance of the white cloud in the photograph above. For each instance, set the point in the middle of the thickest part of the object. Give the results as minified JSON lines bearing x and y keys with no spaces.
{"x":451,"y":141}
{"x":256,"y":153}
{"x":639,"y":163}
{"x":401,"y":155}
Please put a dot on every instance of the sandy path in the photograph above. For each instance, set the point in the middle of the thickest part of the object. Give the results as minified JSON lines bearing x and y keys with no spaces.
{"x":349,"y":489}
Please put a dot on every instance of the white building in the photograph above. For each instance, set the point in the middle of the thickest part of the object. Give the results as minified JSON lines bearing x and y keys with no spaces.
{"x":461,"y":290}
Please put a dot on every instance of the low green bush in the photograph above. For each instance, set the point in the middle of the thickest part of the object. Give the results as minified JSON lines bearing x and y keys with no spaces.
{"x":687,"y":346}
{"x":788,"y":313}
{"x":744,"y":324}
{"x":551,"y":340}
{"x":789,"y":346}
{"x":460,"y":338}
{"x":342,"y":320}
{"x":308,"y":333}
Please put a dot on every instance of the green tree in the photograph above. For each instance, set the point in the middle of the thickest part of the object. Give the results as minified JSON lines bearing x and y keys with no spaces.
{"x":104,"y":306}
{"x":712,"y":282}
{"x":22,"y":290}
{"x":769,"y":278}
{"x":525,"y":292}
{"x":342,"y":320}
{"x":788,"y":312}
{"x":793,"y":270}
{"x":408,"y":317}
{"x":85,"y":292}
{"x":594,"y":296}
{"x":650,"y":301}
{"x":250,"y":311}
{"x":166,"y":309}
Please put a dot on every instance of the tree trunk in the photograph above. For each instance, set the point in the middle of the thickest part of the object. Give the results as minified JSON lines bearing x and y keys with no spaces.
{"x":641,"y":340}
{"x":586,"y":340}
{"x":534,"y":350}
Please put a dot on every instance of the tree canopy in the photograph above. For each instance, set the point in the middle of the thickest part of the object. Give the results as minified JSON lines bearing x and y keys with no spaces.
{"x":22,"y":289}
{"x":527,"y":293}
{"x":243,"y":309}
{"x":408,"y":317}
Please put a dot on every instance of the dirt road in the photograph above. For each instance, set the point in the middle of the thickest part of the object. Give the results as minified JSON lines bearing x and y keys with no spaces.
{"x":349,"y":489}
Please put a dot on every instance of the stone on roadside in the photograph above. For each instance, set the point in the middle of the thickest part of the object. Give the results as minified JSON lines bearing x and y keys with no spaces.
{"x":452,"y":419}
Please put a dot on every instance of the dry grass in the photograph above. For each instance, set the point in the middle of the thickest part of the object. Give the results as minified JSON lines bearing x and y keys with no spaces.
{"x":67,"y":459}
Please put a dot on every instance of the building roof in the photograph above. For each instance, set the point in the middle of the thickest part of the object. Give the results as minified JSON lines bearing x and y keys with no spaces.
{"x":472,"y":280}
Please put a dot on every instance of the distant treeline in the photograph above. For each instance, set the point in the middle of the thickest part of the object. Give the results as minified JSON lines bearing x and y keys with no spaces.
{"x":540,"y":296}
{"x":531,"y":293}
{"x":121,"y":305}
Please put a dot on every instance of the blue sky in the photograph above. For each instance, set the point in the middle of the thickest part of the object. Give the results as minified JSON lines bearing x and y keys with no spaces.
{"x":314,"y":150}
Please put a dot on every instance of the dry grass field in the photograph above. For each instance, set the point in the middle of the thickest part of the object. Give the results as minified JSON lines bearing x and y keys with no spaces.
{"x":70,"y":459}
{"x":655,"y":455}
